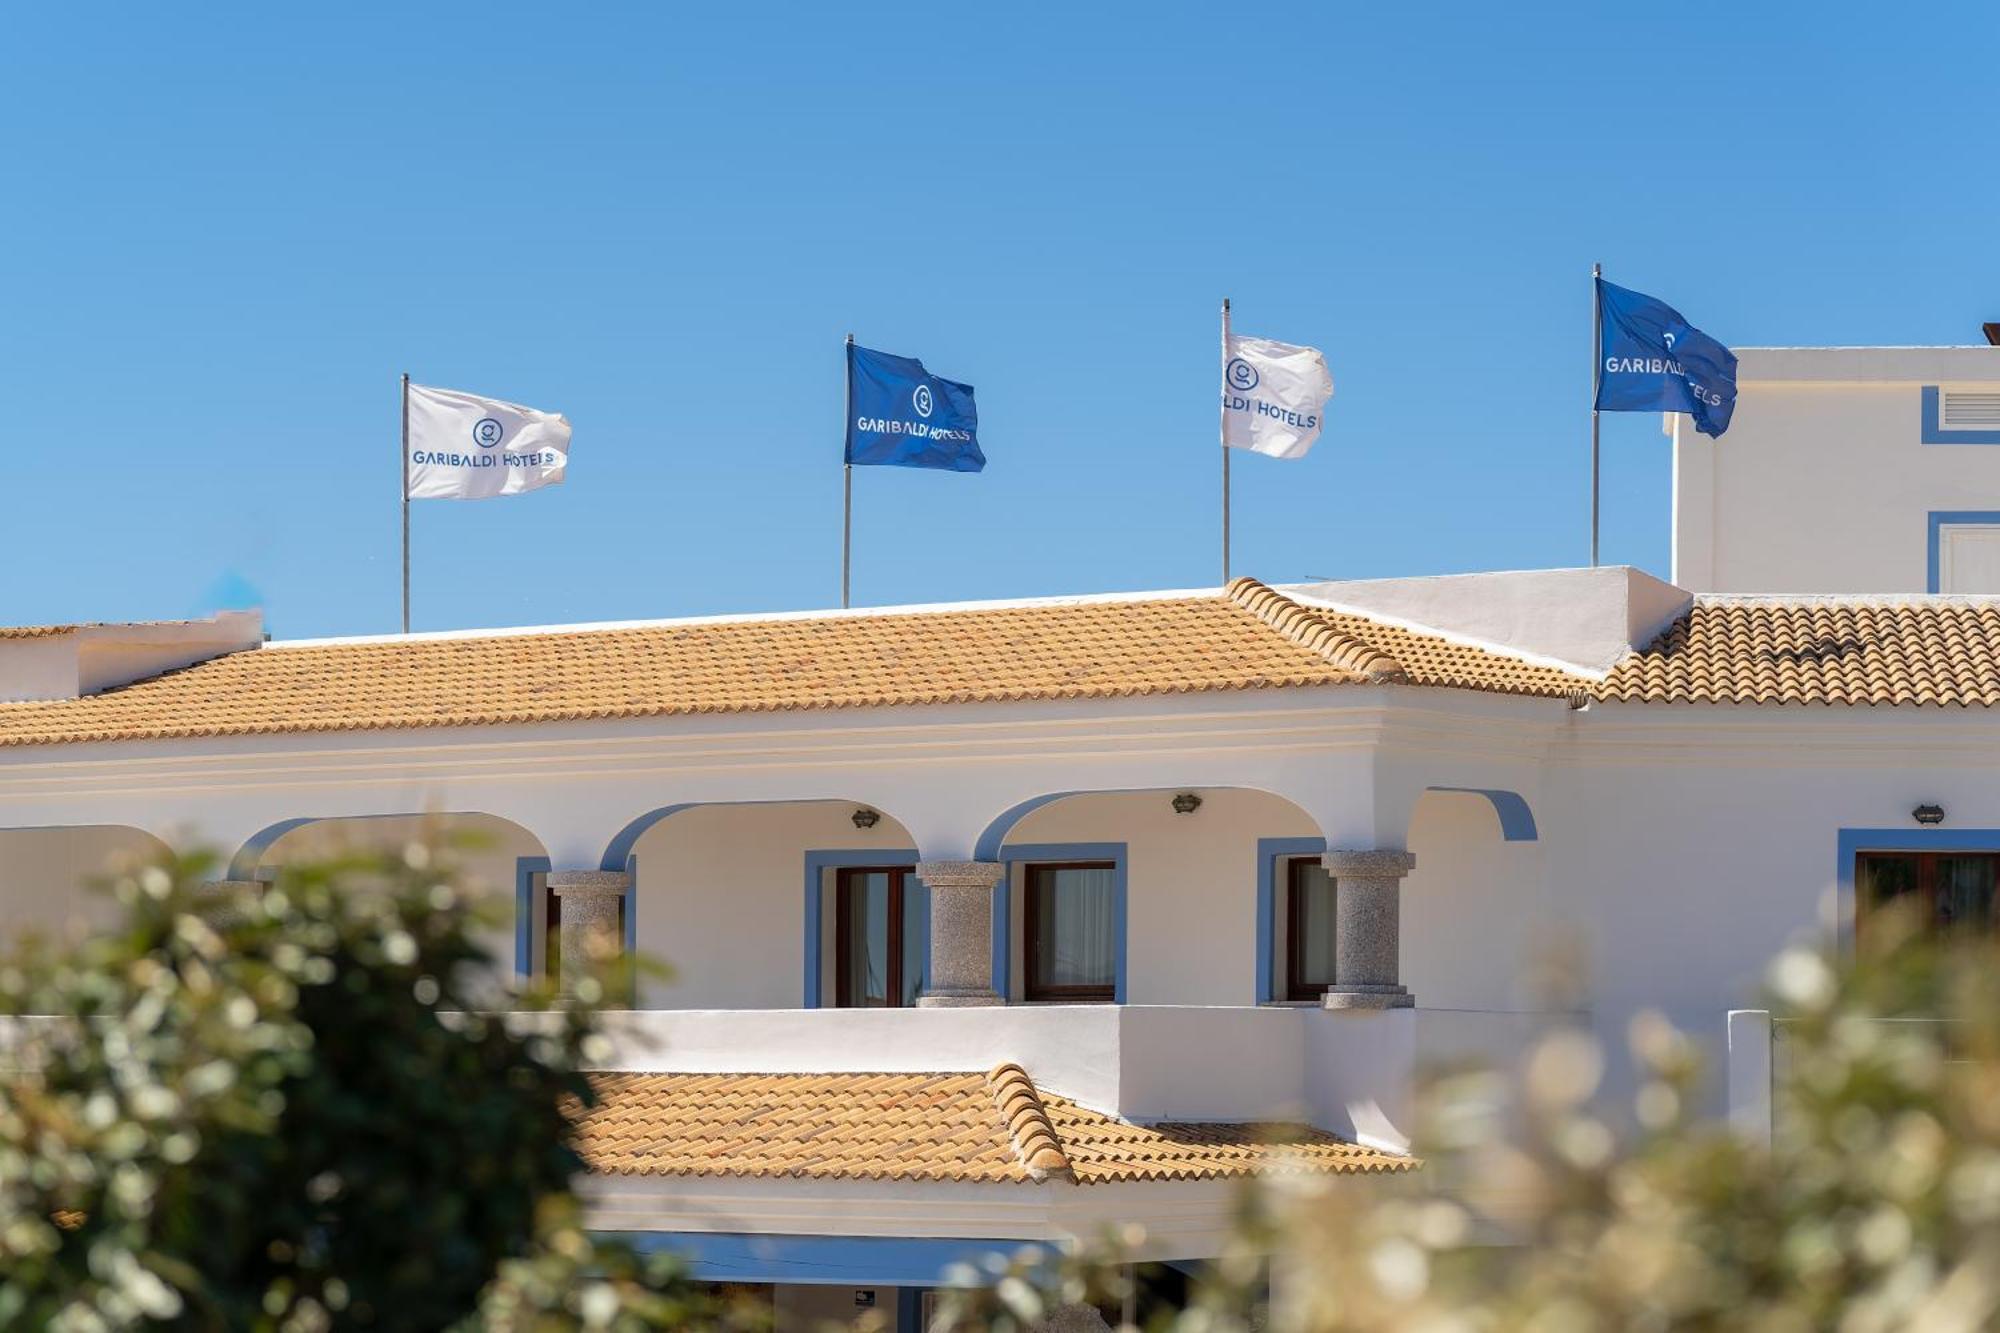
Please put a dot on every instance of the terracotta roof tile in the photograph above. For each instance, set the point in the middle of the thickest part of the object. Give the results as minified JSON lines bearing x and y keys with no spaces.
{"x":1943,"y":652}
{"x":995,"y":1127}
{"x":1248,"y":637}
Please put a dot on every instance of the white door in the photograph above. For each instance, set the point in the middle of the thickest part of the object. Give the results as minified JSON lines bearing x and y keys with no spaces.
{"x":1969,"y":557}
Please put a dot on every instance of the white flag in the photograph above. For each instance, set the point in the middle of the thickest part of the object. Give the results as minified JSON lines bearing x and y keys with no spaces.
{"x":464,"y":447}
{"x":1273,"y":396}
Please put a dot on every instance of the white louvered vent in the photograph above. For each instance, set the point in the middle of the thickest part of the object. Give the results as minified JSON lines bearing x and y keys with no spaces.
{"x":1969,"y":409}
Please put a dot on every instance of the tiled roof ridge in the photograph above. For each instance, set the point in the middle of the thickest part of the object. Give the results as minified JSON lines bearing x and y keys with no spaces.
{"x":1835,"y":601}
{"x":1027,"y":1121}
{"x":1303,"y":626}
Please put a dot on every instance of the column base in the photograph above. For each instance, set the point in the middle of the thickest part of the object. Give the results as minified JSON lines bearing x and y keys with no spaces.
{"x":957,"y":997}
{"x":1368,"y":997}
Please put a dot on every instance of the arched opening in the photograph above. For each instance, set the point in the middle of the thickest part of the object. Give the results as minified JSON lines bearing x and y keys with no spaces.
{"x":775,"y":904}
{"x":502,"y":863}
{"x":1475,"y":910}
{"x":48,"y":877}
{"x":1141,"y":897}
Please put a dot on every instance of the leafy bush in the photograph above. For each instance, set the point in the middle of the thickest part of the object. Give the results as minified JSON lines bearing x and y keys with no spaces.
{"x":282,"y":1110}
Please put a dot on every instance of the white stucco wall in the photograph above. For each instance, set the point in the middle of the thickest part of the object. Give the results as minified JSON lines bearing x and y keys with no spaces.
{"x":1685,"y":871}
{"x":45,"y":876}
{"x":1191,"y":885}
{"x":1475,"y":910}
{"x":721,"y":898}
{"x":1822,"y":483}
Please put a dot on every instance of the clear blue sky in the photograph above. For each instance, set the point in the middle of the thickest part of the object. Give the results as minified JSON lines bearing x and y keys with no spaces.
{"x":227,"y":231}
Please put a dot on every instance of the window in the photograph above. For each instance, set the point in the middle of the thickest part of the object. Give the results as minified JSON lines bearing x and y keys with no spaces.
{"x":1968,"y":558}
{"x":1309,"y":936}
{"x":1947,"y":891}
{"x":1070,"y":920}
{"x":878,"y":937}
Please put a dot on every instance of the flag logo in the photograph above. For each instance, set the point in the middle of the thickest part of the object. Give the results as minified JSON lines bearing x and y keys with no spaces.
{"x":901,"y":415}
{"x":514,"y":448}
{"x":1273,"y":396}
{"x":1651,"y":359}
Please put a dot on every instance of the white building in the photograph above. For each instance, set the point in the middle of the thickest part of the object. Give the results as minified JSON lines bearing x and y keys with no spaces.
{"x":1845,"y":470}
{"x":1168,"y":866}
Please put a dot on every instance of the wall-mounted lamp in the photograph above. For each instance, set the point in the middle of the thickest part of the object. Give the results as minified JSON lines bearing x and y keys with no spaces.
{"x":1928,"y":814}
{"x":865,"y":818}
{"x":1186,"y":803}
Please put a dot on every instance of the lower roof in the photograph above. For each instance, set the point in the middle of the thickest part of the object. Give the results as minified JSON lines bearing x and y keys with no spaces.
{"x":995,"y":1127}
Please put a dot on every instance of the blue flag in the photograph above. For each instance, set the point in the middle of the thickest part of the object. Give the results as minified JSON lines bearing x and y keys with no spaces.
{"x":1650,"y":359}
{"x":901,"y":415}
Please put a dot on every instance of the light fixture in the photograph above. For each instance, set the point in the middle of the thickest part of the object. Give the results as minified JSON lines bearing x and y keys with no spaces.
{"x":1186,"y":803}
{"x":864,"y":817}
{"x":1928,"y":814}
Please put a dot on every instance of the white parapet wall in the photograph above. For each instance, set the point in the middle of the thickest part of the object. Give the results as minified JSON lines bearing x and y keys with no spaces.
{"x":1348,"y":1072}
{"x":1750,"y":1061}
{"x":1578,"y":619}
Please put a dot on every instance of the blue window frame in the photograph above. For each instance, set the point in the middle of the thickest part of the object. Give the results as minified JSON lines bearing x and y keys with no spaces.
{"x":1030,"y":853}
{"x":817,"y":959}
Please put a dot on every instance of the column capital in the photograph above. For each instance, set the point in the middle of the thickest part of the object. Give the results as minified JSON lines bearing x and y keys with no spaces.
{"x":960,"y":874}
{"x":583,"y":883}
{"x":1354,"y":864}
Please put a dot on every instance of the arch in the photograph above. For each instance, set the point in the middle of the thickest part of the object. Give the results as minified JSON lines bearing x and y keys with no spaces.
{"x":250,"y":856}
{"x":516,"y":869}
{"x":619,"y":850}
{"x":808,"y":834}
{"x":987,"y":846}
{"x":1183,"y":934}
{"x":1517,"y":821}
{"x":46,"y":871}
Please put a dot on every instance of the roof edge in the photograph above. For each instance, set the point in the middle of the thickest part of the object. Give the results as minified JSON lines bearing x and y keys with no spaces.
{"x":1302,"y":626}
{"x":755,"y":618}
{"x":1027,"y":1121}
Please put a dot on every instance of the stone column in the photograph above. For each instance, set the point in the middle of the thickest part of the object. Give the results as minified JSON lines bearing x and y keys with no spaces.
{"x":212,"y":899}
{"x":587,"y":910}
{"x":1367,"y":888}
{"x":961,"y":932}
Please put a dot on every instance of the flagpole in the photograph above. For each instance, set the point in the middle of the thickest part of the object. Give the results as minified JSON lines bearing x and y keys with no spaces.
{"x":1596,"y":369}
{"x":847,"y":482}
{"x":406,"y":501}
{"x":1223,"y":425}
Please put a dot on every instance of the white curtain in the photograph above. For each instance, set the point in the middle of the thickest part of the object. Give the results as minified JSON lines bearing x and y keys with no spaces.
{"x":1081,"y":924}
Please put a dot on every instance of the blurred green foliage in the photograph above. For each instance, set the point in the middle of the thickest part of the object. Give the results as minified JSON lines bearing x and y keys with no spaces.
{"x":282,"y":1108}
{"x":1875,"y":1207}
